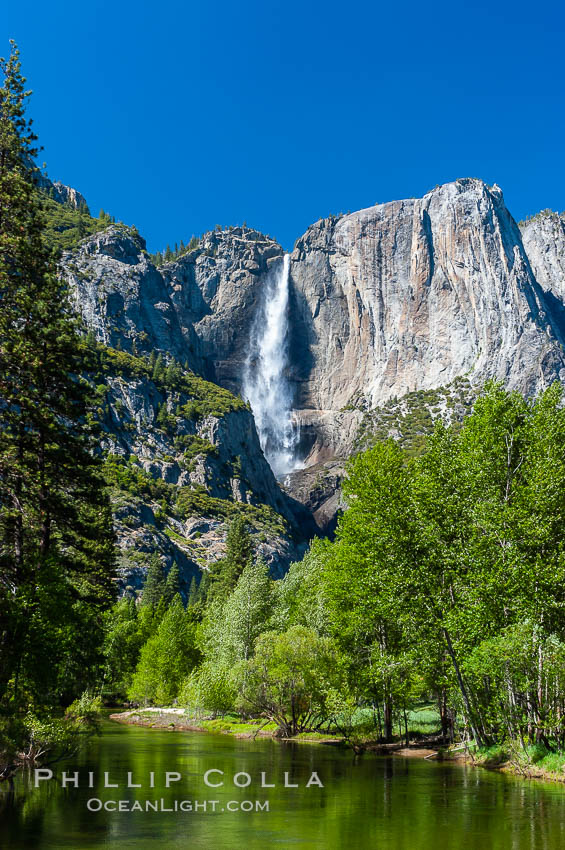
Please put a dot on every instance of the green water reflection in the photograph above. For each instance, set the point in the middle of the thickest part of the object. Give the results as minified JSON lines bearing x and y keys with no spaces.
{"x":405,"y":804}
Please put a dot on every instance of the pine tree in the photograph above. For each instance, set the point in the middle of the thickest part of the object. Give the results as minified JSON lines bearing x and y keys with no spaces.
{"x":167,"y":658}
{"x":193,"y":593}
{"x":163,"y":418}
{"x":239,"y":548}
{"x":239,"y":553}
{"x":204,"y":586}
{"x":154,"y":587}
{"x":172,"y":584}
{"x":159,"y":368}
{"x":56,"y":542}
{"x":172,"y":373}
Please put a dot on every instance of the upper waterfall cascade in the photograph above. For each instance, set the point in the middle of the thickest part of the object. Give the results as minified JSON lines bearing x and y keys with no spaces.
{"x":266,"y":385}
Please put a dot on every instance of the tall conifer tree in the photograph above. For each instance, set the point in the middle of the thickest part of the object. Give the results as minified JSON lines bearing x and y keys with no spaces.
{"x":55,"y":519}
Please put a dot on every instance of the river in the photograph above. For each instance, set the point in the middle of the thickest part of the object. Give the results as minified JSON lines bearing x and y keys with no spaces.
{"x":368,"y":802}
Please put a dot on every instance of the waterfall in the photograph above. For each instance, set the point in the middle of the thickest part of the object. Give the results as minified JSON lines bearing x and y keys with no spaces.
{"x":265,"y":383}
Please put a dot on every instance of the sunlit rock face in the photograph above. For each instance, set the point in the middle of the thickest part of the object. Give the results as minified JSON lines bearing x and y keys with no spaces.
{"x":403,"y":296}
{"x":123,"y":298}
{"x":411,"y":294}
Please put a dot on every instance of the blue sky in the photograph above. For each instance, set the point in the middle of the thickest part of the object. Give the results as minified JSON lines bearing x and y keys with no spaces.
{"x":177,"y":116}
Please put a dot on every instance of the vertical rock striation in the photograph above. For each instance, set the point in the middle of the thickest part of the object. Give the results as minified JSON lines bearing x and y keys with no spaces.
{"x":544,"y":242}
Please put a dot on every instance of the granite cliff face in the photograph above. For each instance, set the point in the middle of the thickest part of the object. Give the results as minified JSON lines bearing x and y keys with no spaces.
{"x":411,"y":294}
{"x":401,"y":300}
{"x":401,"y":296}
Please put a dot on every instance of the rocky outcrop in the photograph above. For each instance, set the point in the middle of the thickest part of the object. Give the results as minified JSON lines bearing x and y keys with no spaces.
{"x":122,"y":297}
{"x":326,"y":434}
{"x":178,"y":476}
{"x":69,"y":197}
{"x":407,"y":421}
{"x":59,"y":192}
{"x":198,"y":309}
{"x":203,"y":463}
{"x":319,"y":489}
{"x":216,"y":290}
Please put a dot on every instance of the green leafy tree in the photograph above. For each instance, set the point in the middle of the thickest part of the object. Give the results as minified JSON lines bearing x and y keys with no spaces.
{"x":230,"y":627}
{"x":212,"y":687}
{"x":166,"y":659}
{"x":248,"y":610}
{"x":299,"y":596}
{"x":290,"y":678}
{"x":226,"y":639}
{"x":437,"y":554}
{"x":125,"y":634}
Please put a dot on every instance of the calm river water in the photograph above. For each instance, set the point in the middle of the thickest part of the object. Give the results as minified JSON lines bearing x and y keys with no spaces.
{"x":371,"y":802}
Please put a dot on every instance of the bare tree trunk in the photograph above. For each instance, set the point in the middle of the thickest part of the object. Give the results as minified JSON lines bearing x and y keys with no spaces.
{"x":464,"y":693}
{"x":18,"y":488}
{"x":388,"y":718}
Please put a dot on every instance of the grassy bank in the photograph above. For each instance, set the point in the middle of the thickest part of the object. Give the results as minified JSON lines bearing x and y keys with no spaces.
{"x":533,"y":761}
{"x":230,"y":724}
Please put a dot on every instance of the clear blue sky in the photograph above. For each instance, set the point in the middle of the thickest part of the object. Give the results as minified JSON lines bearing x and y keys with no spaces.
{"x":177,"y":116}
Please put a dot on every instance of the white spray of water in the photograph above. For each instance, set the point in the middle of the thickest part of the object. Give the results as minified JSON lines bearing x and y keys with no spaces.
{"x":265,"y":384}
